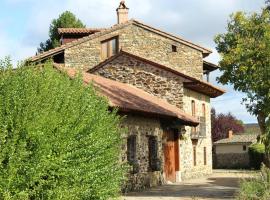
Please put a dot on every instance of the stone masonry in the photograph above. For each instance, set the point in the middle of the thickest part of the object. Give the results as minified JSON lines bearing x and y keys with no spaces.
{"x":140,"y":42}
{"x":143,"y":127}
{"x":168,"y":86}
{"x":151,"y":79}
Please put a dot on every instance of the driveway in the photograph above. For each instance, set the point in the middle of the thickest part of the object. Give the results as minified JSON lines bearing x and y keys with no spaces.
{"x":221,"y":184}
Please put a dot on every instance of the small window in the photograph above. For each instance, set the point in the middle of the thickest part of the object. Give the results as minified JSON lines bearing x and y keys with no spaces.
{"x":244,"y":147}
{"x":131,"y":149}
{"x":193,"y":108}
{"x":109,"y":47}
{"x":204,"y":156}
{"x":154,"y":163}
{"x":194,"y":156}
{"x":203,"y":110}
{"x":174,"y":48}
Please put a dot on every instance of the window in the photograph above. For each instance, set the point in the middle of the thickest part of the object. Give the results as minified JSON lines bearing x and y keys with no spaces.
{"x":154,"y":163}
{"x":131,"y":149}
{"x":109,"y":47}
{"x":193,"y":108}
{"x":244,"y":147}
{"x":204,"y":156}
{"x":203,"y":110}
{"x":194,"y":156}
{"x":174,"y":48}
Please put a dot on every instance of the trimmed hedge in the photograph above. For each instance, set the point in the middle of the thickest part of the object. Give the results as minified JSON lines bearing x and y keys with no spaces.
{"x":256,"y":155}
{"x":58,"y":139}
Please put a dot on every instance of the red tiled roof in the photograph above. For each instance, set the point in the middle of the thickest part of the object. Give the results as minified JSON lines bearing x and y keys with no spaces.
{"x":58,"y":50}
{"x":131,"y":99}
{"x":190,"y":82}
{"x":79,"y":30}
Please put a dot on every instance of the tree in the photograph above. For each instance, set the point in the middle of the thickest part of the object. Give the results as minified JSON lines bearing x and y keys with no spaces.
{"x":58,"y":140}
{"x":222,"y":123}
{"x":65,"y":20}
{"x":245,"y":63}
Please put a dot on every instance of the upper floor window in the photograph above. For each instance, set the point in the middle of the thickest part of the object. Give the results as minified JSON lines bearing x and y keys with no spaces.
{"x":203,"y":110}
{"x":174,"y":48}
{"x":193,"y":108}
{"x":109,"y":47}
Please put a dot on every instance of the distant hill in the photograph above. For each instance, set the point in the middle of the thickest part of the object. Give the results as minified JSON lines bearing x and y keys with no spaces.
{"x":252,"y":128}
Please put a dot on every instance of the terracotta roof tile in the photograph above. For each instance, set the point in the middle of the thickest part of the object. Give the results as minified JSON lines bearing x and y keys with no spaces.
{"x":129,"y":98}
{"x":239,"y":139}
{"x":79,"y":30}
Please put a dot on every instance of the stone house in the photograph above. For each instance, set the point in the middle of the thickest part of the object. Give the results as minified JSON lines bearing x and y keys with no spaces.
{"x":232,"y":152}
{"x":156,"y":80}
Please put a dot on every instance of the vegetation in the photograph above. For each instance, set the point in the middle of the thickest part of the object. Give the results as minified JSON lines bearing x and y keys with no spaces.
{"x":65,"y":20}
{"x":58,"y":140}
{"x":257,"y":188}
{"x":245,"y":53}
{"x":222,"y":123}
{"x":256,"y":155}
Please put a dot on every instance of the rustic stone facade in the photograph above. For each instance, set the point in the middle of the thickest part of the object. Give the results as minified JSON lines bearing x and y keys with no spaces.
{"x":188,"y":170}
{"x":168,"y":86}
{"x":158,"y":82}
{"x":142,"y":128}
{"x":141,"y":42}
{"x":145,"y":76}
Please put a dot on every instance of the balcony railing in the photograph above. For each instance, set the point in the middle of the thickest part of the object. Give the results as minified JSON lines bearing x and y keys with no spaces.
{"x":200,"y":130}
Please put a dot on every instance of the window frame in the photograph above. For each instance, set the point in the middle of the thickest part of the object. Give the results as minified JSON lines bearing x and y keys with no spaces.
{"x":108,"y":43}
{"x":132,"y":153}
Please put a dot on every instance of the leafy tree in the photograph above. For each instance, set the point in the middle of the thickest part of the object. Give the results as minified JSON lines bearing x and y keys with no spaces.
{"x":245,"y":53}
{"x":222,"y":123}
{"x":65,"y":20}
{"x":58,"y":140}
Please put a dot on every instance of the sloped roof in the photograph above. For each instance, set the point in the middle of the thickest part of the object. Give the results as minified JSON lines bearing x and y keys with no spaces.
{"x":239,"y":139}
{"x":60,"y":49}
{"x":78,"y":30}
{"x":209,"y":66}
{"x":190,"y":82}
{"x":131,"y":99}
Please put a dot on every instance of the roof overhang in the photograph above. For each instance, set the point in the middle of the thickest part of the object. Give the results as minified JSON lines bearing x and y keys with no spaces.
{"x":207,"y":66}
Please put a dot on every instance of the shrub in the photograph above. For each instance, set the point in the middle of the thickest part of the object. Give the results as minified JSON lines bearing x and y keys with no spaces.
{"x":256,"y":155}
{"x":257,"y":188}
{"x":58,"y":140}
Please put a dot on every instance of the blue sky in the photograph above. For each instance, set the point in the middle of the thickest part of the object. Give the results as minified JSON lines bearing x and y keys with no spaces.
{"x":24,"y":24}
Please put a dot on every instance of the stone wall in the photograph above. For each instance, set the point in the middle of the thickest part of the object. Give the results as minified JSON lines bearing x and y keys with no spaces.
{"x":151,"y":79}
{"x":231,"y":161}
{"x":143,"y":127}
{"x":188,"y":170}
{"x":141,"y":42}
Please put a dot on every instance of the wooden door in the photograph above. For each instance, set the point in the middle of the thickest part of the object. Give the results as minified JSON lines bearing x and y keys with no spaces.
{"x":171,"y":159}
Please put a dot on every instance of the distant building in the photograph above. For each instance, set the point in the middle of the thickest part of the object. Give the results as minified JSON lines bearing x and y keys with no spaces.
{"x":232,"y":152}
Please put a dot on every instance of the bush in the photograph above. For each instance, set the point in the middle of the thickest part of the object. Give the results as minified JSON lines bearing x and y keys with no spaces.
{"x":257,"y":188}
{"x":58,"y":140}
{"x":256,"y":155}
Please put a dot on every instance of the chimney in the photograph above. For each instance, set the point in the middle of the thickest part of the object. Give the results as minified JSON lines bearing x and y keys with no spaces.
{"x":230,"y":134}
{"x":122,"y":13}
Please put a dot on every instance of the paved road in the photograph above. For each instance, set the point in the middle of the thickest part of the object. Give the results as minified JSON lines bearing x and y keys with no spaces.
{"x":222,"y":185}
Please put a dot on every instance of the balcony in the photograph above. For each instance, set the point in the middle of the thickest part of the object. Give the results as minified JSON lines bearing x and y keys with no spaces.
{"x":200,"y":130}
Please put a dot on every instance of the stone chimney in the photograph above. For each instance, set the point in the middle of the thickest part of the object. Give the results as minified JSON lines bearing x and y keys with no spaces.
{"x":122,"y":13}
{"x":230,"y":134}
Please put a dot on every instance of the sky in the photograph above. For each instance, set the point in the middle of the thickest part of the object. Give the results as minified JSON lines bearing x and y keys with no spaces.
{"x":25,"y":23}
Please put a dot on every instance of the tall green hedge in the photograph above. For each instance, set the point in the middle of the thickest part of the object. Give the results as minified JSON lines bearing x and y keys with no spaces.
{"x":57,"y":138}
{"x":256,"y":155}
